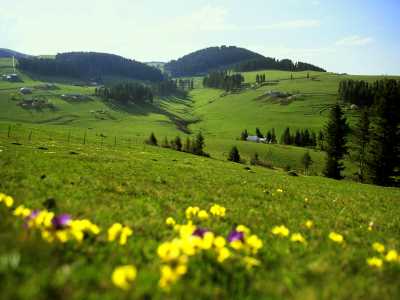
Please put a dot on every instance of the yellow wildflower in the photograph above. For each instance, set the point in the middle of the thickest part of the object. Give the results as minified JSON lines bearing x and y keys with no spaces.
{"x":124,"y":276}
{"x":125,"y":233}
{"x":309,"y":224}
{"x":170,"y":221}
{"x":22,"y":211}
{"x":242,"y":228}
{"x":297,"y":237}
{"x":113,"y":231}
{"x":392,"y":256}
{"x":255,"y":243}
{"x":219,"y":242}
{"x":203,"y":215}
{"x":336,"y":237}
{"x":251,"y":262}
{"x":207,"y":241}
{"x":378,"y":247}
{"x":168,"y":251}
{"x":223,"y":254}
{"x":217,"y":210}
{"x":280,"y":230}
{"x":279,"y":190}
{"x":192,"y":211}
{"x":375,"y":262}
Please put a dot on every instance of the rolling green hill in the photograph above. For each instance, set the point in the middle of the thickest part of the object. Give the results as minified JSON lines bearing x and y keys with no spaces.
{"x":75,"y":153}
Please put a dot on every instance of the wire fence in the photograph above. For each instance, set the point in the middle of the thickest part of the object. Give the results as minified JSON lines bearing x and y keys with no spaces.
{"x":21,"y":134}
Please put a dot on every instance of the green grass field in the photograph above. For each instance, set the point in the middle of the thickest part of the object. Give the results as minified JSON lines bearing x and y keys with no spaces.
{"x":89,"y":157}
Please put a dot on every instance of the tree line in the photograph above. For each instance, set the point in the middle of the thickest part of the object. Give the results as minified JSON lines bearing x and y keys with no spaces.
{"x":376,"y":138}
{"x":363,"y":93}
{"x":221,"y":80}
{"x":275,"y":64}
{"x":194,"y":146}
{"x":125,"y":92}
{"x":260,"y":78}
{"x":301,"y":138}
{"x":90,"y":66}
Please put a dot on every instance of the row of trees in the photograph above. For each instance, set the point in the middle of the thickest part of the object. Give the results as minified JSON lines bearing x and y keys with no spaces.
{"x":301,"y":138}
{"x":364,"y":94}
{"x":275,"y":64}
{"x":376,"y":142}
{"x":185,"y":84}
{"x":90,"y":66}
{"x":270,"y":136}
{"x":221,"y":80}
{"x":194,"y":146}
{"x":126,"y":93}
{"x":260,"y":78}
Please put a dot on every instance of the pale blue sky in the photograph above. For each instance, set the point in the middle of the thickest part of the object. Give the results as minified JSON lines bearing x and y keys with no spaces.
{"x":353,"y":36}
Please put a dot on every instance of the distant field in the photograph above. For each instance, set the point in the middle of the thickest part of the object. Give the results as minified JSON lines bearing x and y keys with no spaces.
{"x":221,"y":117}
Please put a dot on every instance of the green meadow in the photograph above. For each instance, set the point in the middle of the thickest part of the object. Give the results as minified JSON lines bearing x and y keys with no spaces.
{"x":88,"y":159}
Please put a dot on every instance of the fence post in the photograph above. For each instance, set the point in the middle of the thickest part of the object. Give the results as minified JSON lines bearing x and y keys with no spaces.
{"x":69,"y":136}
{"x":9,"y":131}
{"x":84,"y":138}
{"x":30,"y":136}
{"x":115,"y":141}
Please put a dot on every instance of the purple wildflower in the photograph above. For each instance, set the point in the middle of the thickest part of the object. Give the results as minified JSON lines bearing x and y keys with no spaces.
{"x":235,"y":235}
{"x":200,"y":232}
{"x":61,"y":221}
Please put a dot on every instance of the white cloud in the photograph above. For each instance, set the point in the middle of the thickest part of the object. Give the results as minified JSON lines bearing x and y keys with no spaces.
{"x":355,"y":40}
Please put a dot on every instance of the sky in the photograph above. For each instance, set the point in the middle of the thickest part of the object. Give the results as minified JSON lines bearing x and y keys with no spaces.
{"x":346,"y":36}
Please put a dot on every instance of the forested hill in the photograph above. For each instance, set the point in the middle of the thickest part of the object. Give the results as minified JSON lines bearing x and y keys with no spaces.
{"x":205,"y":60}
{"x":10,"y":53}
{"x":89,"y":65}
{"x":275,"y":64}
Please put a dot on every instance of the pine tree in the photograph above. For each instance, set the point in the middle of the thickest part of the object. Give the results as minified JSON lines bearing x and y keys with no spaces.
{"x":178,"y":144}
{"x":286,"y":138}
{"x":152,"y":140}
{"x":336,"y":130}
{"x":244,"y":135}
{"x":198,"y":144}
{"x":383,"y":151}
{"x":258,"y":133}
{"x":234,"y":155}
{"x":188,"y":145}
{"x":361,"y":143}
{"x":269,"y":137}
{"x":307,"y":162}
{"x":258,"y":78}
{"x":321,"y":140}
{"x":273,"y":136}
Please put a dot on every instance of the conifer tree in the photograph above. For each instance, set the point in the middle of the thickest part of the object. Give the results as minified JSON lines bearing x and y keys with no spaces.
{"x":258,"y":133}
{"x":383,"y":151}
{"x":152,"y":140}
{"x":198,"y":144}
{"x":273,"y":136}
{"x":336,"y":130}
{"x":307,"y":162}
{"x":178,"y":144}
{"x":244,"y":135}
{"x":188,"y":145}
{"x":234,"y":155}
{"x":362,"y":133}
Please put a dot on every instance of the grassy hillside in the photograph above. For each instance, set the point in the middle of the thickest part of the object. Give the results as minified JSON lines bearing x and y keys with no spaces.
{"x":220,"y":116}
{"x":87,"y":158}
{"x":140,"y":186}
